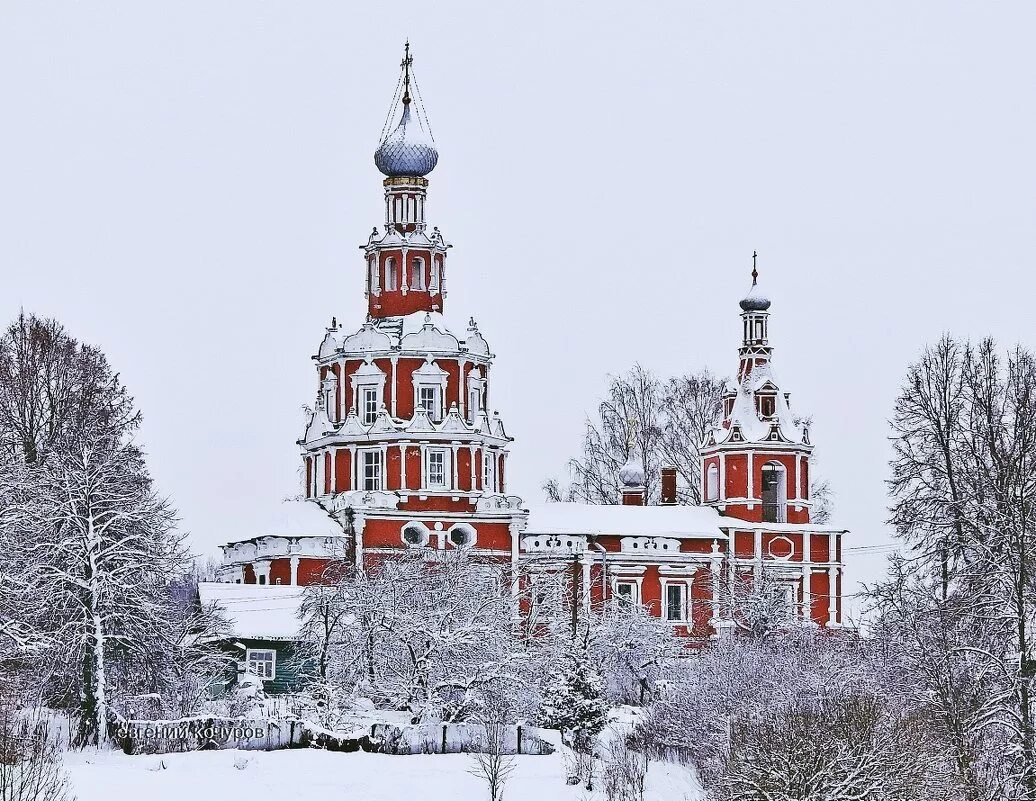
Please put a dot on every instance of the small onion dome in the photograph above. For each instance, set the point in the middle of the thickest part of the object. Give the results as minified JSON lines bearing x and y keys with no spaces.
{"x":408,"y":151}
{"x":631,"y":474}
{"x":755,"y":300}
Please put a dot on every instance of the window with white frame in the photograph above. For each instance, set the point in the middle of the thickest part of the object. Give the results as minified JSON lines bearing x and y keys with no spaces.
{"x":391,"y":274}
{"x":435,"y":468}
{"x":369,"y":404}
{"x":462,"y":536}
{"x":474,"y":402}
{"x":417,"y":275}
{"x":488,"y":471}
{"x":675,"y":602}
{"x":371,"y":469}
{"x":415,"y":535}
{"x":626,"y":593}
{"x":429,"y":398}
{"x":262,"y":662}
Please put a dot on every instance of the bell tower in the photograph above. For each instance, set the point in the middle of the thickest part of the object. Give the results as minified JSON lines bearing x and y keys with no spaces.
{"x":406,"y":266}
{"x":756,"y":462}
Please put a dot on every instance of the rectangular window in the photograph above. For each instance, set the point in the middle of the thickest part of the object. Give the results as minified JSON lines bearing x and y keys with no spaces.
{"x":488,"y":472}
{"x":428,"y":399}
{"x":262,"y":663}
{"x":473,"y":403}
{"x":674,"y":602}
{"x":435,"y":470}
{"x":369,"y":404}
{"x":417,"y":275}
{"x":626,"y":592}
{"x":370,"y":462}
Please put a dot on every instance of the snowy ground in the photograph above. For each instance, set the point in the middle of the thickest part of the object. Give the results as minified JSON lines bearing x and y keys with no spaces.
{"x":312,"y":774}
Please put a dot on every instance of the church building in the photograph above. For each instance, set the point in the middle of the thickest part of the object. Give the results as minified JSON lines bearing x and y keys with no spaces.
{"x":402,"y":452}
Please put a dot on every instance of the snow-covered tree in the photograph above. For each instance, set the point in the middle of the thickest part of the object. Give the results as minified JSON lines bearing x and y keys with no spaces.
{"x":54,"y":389}
{"x":663,"y":421}
{"x":573,"y":701}
{"x":102,"y":554}
{"x":431,"y":636}
{"x":964,"y":502}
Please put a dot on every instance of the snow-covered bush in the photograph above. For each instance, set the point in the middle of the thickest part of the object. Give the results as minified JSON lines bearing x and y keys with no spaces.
{"x":30,"y":763}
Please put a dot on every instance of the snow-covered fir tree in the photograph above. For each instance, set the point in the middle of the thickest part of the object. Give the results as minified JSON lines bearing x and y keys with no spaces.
{"x":574,"y":701}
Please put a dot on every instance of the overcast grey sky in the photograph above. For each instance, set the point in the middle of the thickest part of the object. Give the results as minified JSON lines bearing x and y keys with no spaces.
{"x":186,"y":184}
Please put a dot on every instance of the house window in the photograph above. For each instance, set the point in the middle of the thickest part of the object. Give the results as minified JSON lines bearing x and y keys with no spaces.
{"x":371,"y":467}
{"x":369,"y":404}
{"x":391,"y":274}
{"x":774,"y":493}
{"x":712,"y":483}
{"x":488,"y":472}
{"x":767,"y":405}
{"x":428,"y":399}
{"x":435,"y":469}
{"x":417,"y":275}
{"x":675,"y":606}
{"x":626,"y":593}
{"x":262,"y":663}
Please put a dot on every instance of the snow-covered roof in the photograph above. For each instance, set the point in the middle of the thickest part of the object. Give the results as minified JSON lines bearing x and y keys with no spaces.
{"x":419,"y":332}
{"x":297,"y":518}
{"x":744,"y":414}
{"x":256,"y":611}
{"x":623,"y":521}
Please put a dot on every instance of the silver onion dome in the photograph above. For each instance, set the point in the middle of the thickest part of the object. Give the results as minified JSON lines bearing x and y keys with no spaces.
{"x":755,"y":300}
{"x":631,"y":474}
{"x":408,"y":150}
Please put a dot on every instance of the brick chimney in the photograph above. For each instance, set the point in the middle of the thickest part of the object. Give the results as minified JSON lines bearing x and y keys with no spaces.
{"x":668,"y":486}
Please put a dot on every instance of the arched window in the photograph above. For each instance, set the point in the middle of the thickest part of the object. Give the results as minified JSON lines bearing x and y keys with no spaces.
{"x":775,"y":493}
{"x":712,"y":483}
{"x":417,"y":275}
{"x":391,"y":274}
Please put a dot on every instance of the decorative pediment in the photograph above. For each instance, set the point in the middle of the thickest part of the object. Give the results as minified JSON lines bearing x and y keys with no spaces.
{"x":421,"y":423}
{"x":430,"y":373}
{"x":476,"y":344}
{"x":368,"y":373}
{"x":382,"y":423}
{"x":329,"y":346}
{"x":650,"y":545}
{"x":430,"y":339}
{"x":368,"y":338}
{"x":352,"y":425}
{"x":498,"y":426}
{"x":499,"y":503}
{"x":319,"y":425}
{"x":554,"y":543}
{"x":359,"y":499}
{"x":454,"y":424}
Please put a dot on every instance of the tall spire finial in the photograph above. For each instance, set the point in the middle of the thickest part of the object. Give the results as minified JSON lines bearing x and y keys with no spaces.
{"x":755,"y":272}
{"x":407,"y":61}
